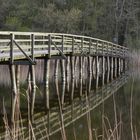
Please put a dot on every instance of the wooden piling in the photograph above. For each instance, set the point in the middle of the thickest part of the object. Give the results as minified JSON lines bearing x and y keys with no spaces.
{"x":103,"y":70}
{"x":97,"y":71}
{"x":72,"y":58}
{"x":108,"y":69}
{"x":56,"y":68}
{"x":76,"y":70}
{"x":17,"y":108}
{"x":115,"y":67}
{"x":112,"y":67}
{"x":89,"y":73}
{"x":63,"y":74}
{"x":83,"y":70}
{"x":89,"y":65}
{"x":14,"y":99}
{"x":81,"y":74}
{"x":93,"y":68}
{"x":68,"y":74}
{"x":33,"y":90}
{"x":46,"y":83}
{"x":119,"y":67}
{"x":63,"y":70}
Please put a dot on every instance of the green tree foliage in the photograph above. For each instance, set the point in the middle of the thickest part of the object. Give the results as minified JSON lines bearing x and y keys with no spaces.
{"x":56,"y":20}
{"x":113,"y":20}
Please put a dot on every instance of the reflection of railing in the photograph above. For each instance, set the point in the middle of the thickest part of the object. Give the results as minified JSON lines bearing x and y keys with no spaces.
{"x":52,"y":122}
{"x":21,"y":45}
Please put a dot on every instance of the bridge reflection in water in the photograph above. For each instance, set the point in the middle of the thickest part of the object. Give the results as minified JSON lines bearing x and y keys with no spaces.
{"x":70,"y":102}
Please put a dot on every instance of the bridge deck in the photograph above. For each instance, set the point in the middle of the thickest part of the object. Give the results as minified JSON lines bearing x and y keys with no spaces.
{"x":26,"y":45}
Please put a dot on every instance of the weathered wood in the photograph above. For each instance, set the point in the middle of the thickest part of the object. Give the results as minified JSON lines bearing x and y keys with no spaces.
{"x":89,"y":66}
{"x":14,"y":100}
{"x":11,"y":48}
{"x":46,"y":82}
{"x":63,"y":70}
{"x":103,"y":70}
{"x":63,"y":73}
{"x":119,"y":66}
{"x":115,"y":67}
{"x":32,"y":46}
{"x":81,"y":74}
{"x":32,"y":90}
{"x":17,"y":108}
{"x":64,"y":42}
{"x":56,"y":68}
{"x":49,"y":46}
{"x":97,"y":71}
{"x":72,"y":60}
{"x":84,"y":70}
{"x":76,"y":70}
{"x":73,"y":45}
{"x":24,"y":53}
{"x":108,"y":69}
{"x":89,"y":73}
{"x":112,"y":68}
{"x":93,"y":68}
{"x":68,"y":74}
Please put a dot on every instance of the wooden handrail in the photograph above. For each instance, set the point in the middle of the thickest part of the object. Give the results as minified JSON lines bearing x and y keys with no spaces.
{"x":27,"y":41}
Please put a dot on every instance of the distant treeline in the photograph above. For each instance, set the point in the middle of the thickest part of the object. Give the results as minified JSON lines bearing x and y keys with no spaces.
{"x":113,"y":20}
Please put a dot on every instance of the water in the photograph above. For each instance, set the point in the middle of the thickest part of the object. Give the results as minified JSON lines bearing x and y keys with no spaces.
{"x":128,"y":128}
{"x":110,"y":111}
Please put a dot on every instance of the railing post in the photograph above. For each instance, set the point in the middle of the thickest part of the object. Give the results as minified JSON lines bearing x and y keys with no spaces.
{"x":103,"y":48}
{"x":49,"y":46}
{"x":32,"y":45}
{"x":112,"y":49}
{"x":96,"y":47}
{"x":82,"y":40}
{"x":107,"y":49}
{"x":11,"y":48}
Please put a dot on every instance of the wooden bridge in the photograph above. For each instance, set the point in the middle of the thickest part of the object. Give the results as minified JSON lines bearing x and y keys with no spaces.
{"x":25,"y":48}
{"x":21,"y":45}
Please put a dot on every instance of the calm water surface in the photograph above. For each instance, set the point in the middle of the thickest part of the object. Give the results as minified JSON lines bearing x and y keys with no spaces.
{"x":126,"y":96}
{"x":121,"y":110}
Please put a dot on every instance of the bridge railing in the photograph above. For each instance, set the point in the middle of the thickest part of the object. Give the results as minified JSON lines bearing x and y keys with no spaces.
{"x":17,"y":45}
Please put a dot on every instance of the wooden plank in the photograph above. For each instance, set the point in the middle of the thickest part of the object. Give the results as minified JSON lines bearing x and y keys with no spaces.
{"x":41,"y":40}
